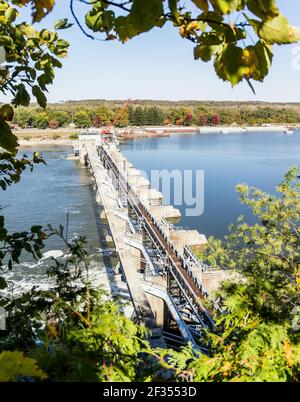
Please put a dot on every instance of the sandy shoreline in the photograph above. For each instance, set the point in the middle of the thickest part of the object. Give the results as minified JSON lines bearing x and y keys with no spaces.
{"x":36,"y":142}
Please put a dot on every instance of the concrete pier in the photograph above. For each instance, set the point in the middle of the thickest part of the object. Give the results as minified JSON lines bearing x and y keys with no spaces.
{"x":161,"y":284}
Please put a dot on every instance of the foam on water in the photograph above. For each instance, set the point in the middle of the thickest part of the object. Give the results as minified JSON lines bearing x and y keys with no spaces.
{"x":52,"y":254}
{"x":27,"y":275}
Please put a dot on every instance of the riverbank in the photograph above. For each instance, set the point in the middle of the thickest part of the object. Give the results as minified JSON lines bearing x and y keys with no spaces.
{"x":130,"y":133}
{"x":34,"y":137}
{"x":67,"y":136}
{"x":41,"y":142}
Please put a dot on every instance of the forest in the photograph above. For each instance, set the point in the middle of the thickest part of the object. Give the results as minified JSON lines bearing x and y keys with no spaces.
{"x":154,"y":113}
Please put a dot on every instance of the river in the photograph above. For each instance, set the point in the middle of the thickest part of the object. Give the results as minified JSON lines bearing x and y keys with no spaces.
{"x":63,"y":187}
{"x":258,"y":159}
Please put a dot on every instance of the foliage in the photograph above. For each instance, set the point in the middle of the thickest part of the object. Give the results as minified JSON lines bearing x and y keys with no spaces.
{"x":201,"y":113}
{"x":62,"y":117}
{"x":68,"y":329}
{"x":31,"y":57}
{"x":103,"y":116}
{"x":82,"y":119}
{"x":215,"y":119}
{"x":202,"y":119}
{"x":41,"y":119}
{"x":14,"y":365}
{"x":73,"y":136}
{"x":11,"y":168}
{"x":255,"y":337}
{"x":138,"y":116}
{"x":54,"y":124}
{"x":121,"y":118}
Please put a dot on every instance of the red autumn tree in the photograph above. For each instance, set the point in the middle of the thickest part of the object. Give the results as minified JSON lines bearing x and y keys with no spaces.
{"x":215,"y":119}
{"x":97,"y":121}
{"x":188,"y":119}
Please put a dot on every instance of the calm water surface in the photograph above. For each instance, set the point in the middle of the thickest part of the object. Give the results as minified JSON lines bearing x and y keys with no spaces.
{"x":258,"y":159}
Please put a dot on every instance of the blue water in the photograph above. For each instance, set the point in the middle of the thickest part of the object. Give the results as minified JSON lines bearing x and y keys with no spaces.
{"x":63,"y":187}
{"x":49,"y":193}
{"x":46,"y":196}
{"x":258,"y":159}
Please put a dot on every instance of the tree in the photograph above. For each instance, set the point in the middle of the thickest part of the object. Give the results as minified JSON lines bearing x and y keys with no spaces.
{"x":131,"y":115}
{"x":139,"y":116}
{"x":149,"y":116}
{"x":82,"y":119}
{"x":103,"y":116}
{"x":96,"y":121}
{"x":215,"y":119}
{"x":121,"y":118}
{"x":258,"y":338}
{"x":24,"y":117}
{"x":158,"y":116}
{"x":31,"y":56}
{"x":61,"y":117}
{"x":53,"y":124}
{"x":153,"y":116}
{"x":41,"y":120}
{"x":176,"y":116}
{"x":202,"y":119}
{"x":188,"y":119}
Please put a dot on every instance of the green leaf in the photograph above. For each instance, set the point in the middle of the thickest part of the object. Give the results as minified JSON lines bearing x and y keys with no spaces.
{"x":14,"y":365}
{"x":227,"y":6}
{"x":206,"y":52}
{"x":202,"y":4}
{"x":229,"y":64}
{"x":7,"y":112}
{"x":278,"y":31}
{"x":11,"y":14}
{"x":40,"y":97}
{"x":264,"y":9}
{"x":144,"y":15}
{"x":265,"y":57}
{"x":36,"y":229}
{"x":94,"y":20}
{"x":22,"y":97}
{"x":8,"y":140}
{"x":46,"y":78}
{"x":3,"y":283}
{"x":62,"y":24}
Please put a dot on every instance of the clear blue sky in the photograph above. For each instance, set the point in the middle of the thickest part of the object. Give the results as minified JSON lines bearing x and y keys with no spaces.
{"x":160,"y":65}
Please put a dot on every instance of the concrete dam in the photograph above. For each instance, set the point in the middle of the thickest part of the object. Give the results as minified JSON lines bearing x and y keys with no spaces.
{"x":167,"y":283}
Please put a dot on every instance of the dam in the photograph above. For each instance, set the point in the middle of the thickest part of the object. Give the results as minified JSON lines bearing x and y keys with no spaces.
{"x":168,"y":285}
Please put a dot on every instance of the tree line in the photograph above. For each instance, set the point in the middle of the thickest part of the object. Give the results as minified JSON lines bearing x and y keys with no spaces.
{"x":153,"y":116}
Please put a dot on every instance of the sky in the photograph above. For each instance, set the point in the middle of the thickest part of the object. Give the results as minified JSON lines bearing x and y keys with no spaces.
{"x":160,"y":65}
